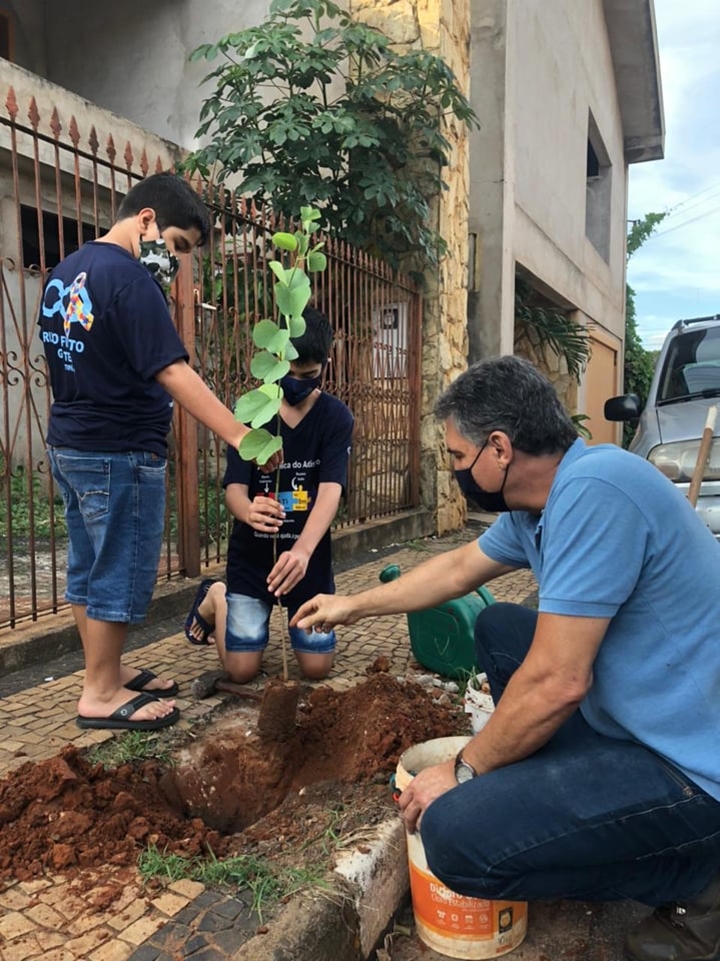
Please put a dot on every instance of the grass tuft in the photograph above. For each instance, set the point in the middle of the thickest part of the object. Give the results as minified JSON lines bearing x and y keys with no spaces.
{"x":268,"y":883}
{"x":129,"y":747}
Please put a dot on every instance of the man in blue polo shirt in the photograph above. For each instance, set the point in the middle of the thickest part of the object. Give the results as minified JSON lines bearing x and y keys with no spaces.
{"x":598,"y":775}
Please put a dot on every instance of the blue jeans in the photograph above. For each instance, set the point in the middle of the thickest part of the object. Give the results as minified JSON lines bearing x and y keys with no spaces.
{"x":586,"y":817}
{"x":115,"y":510}
{"x":247,"y":628}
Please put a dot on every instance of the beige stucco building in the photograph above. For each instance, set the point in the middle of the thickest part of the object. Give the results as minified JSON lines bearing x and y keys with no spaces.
{"x":568,"y":92}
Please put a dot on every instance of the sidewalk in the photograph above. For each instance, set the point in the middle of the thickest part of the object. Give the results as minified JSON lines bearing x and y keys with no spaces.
{"x":49,"y":918}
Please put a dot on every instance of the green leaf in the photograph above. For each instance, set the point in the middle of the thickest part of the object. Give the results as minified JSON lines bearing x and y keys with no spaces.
{"x":266,"y":366}
{"x":269,"y":336}
{"x":285,"y":241}
{"x":297,"y":327}
{"x":316,"y":261}
{"x":291,"y":302}
{"x":291,"y":352}
{"x":279,"y":271}
{"x":257,"y":407}
{"x":259,"y":445}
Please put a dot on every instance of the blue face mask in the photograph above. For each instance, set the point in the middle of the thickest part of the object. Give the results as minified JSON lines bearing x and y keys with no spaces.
{"x":295,"y":390}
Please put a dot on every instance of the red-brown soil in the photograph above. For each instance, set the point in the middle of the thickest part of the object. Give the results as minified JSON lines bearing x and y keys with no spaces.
{"x":229,"y":791}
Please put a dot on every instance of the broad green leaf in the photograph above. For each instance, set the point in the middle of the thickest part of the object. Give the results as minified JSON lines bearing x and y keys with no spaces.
{"x":266,"y":366}
{"x":316,"y":261}
{"x":291,"y":350}
{"x":309,"y":213}
{"x":259,"y":445}
{"x":285,"y":241}
{"x":256,"y":407}
{"x":297,"y":327}
{"x":291,"y":303}
{"x":264,"y":333}
{"x":278,"y":269}
{"x":271,"y":337}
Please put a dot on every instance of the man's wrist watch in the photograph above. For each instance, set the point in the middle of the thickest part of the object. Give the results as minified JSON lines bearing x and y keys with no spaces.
{"x":464,"y":771}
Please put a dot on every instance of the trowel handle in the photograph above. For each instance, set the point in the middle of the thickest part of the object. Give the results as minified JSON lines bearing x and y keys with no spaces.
{"x":703,"y":455}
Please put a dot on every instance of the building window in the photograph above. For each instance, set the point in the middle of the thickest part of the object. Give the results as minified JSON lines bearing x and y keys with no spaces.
{"x":50,"y":237}
{"x":598,"y":192}
{"x":6,"y":36}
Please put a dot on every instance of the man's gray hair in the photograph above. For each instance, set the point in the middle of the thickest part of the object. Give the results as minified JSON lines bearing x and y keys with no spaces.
{"x":511,"y":395}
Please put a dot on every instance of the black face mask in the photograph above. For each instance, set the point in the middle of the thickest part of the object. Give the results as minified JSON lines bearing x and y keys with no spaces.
{"x":493,"y":501}
{"x":295,"y":390}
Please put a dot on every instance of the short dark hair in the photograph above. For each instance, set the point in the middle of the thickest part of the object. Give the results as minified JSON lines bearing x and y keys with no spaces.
{"x":174,"y":201}
{"x":511,"y":395}
{"x":314,"y":345}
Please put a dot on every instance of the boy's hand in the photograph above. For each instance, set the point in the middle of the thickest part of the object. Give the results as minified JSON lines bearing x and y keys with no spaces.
{"x":288,"y":571}
{"x":265,"y":514}
{"x":273,"y":464}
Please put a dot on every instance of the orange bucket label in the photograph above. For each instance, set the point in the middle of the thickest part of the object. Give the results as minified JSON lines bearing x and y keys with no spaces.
{"x":446,"y":912}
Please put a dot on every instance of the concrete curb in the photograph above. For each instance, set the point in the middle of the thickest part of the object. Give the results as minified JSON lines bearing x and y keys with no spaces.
{"x":372,"y":885}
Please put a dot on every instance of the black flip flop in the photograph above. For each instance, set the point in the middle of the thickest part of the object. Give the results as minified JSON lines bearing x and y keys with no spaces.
{"x":141,"y":680}
{"x":121,"y":719}
{"x":195,"y":617}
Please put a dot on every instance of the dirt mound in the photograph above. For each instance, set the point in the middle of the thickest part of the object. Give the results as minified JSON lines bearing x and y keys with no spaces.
{"x":65,"y":815}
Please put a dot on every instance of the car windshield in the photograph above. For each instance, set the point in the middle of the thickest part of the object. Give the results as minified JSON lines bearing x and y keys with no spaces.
{"x":692,"y":366}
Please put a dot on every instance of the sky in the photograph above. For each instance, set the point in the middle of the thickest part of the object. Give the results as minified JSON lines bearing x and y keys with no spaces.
{"x":676,"y":274}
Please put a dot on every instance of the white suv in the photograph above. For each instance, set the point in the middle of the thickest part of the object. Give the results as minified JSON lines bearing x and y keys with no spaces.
{"x":685,"y":383}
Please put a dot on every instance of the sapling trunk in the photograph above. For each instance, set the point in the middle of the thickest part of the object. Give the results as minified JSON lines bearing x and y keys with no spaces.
{"x":283,"y":627}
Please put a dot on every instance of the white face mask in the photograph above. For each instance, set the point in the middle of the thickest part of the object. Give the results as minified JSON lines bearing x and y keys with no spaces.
{"x":155,"y":256}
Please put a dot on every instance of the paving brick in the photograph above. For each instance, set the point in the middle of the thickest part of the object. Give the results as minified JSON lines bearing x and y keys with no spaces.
{"x":84,"y":922}
{"x":187,"y":888}
{"x":50,"y":939}
{"x":21,"y":950}
{"x":128,"y":915}
{"x":143,"y":929}
{"x":14,"y":898}
{"x":113,"y":951}
{"x":82,"y":947}
{"x":146,"y":953}
{"x":45,"y":916}
{"x":169,"y":903}
{"x":59,"y":954}
{"x":14,"y":925}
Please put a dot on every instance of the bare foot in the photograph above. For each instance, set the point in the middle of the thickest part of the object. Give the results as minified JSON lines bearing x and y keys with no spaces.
{"x":89,"y":706}
{"x":206,"y":609}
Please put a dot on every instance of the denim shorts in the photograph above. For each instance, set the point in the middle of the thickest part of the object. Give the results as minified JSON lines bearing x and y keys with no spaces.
{"x":247,"y":628}
{"x":115,"y":510}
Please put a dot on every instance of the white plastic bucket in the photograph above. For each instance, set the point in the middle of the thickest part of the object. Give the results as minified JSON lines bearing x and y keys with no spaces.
{"x":453,"y":925}
{"x":478,"y":704}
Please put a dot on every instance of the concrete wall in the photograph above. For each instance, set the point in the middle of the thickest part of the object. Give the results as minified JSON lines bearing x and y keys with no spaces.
{"x":132,"y":57}
{"x":539,"y":71}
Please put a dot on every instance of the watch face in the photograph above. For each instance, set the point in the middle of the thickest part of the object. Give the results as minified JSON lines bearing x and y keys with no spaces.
{"x":463,"y":772}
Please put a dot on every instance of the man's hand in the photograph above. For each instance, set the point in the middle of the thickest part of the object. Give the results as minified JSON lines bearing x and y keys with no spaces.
{"x":288,"y":571}
{"x":423,"y":789}
{"x":265,"y":514}
{"x":324,"y":612}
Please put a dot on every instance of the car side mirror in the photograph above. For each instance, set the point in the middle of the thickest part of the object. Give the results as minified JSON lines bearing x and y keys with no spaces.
{"x":624,"y":407}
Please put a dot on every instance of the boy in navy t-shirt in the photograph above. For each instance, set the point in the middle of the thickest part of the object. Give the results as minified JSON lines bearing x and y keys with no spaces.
{"x":116,"y":365}
{"x":280,"y":542}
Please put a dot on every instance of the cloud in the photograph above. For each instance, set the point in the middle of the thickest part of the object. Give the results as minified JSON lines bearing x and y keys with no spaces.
{"x":675,"y":274}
